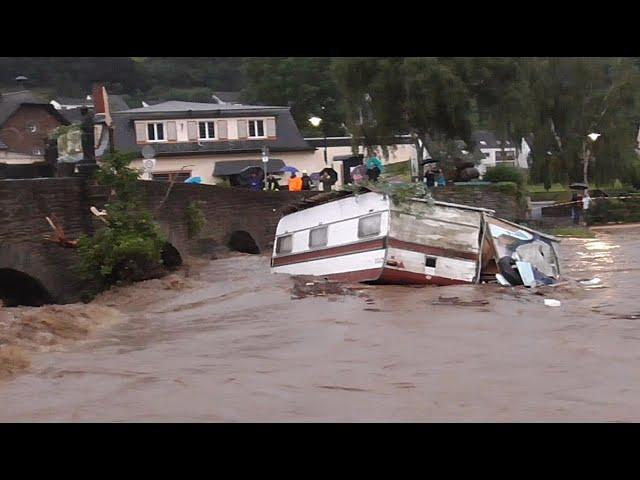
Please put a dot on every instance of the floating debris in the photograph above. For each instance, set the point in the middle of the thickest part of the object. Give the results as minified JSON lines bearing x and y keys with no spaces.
{"x":457,"y":302}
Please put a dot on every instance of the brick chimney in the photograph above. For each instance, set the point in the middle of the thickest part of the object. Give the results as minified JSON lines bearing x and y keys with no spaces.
{"x":97,"y":93}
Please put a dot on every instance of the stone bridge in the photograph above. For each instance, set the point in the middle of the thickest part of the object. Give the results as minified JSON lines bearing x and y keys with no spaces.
{"x":37,"y":271}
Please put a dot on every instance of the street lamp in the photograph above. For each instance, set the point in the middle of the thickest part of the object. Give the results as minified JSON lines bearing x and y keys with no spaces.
{"x":593,"y":136}
{"x":316,"y":121}
{"x":265,"y":161}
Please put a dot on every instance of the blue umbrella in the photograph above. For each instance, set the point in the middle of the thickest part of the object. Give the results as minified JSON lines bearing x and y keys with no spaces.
{"x":193,"y":180}
{"x":289,"y":169}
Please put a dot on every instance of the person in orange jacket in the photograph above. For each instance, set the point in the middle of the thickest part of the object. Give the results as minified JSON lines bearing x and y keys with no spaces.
{"x":295,"y":183}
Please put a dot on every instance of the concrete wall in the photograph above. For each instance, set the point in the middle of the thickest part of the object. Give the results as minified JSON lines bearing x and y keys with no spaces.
{"x":482,"y":196}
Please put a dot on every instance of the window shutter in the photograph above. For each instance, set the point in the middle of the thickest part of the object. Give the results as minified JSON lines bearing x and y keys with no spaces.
{"x":172,"y":133}
{"x":141,"y":132}
{"x":242,"y":129}
{"x":192,"y":130}
{"x":271,"y":127}
{"x":221,"y":125}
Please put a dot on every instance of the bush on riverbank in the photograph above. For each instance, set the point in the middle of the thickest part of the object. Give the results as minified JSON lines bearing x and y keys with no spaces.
{"x":129,"y":247}
{"x":504,"y":173}
{"x":621,"y":210}
{"x":574,"y":232}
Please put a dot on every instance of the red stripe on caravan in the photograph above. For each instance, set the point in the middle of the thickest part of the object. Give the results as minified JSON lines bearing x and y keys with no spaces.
{"x":360,"y":247}
{"x":369,"y":275}
{"x":404,"y":277}
{"x":429,"y":250}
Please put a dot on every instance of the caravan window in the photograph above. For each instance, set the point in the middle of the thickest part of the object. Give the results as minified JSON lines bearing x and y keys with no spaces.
{"x":369,"y":226}
{"x":284,"y":244}
{"x":318,"y":237}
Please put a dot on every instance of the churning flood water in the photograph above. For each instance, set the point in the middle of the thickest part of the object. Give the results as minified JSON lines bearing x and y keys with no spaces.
{"x":226,"y":342}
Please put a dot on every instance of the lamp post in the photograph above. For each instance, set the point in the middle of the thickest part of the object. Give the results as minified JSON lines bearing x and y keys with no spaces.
{"x":316,"y":121}
{"x":586,"y":154}
{"x":265,"y":161}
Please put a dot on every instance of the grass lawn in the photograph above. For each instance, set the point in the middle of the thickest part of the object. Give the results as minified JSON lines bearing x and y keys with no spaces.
{"x":575,"y":232}
{"x":559,"y":187}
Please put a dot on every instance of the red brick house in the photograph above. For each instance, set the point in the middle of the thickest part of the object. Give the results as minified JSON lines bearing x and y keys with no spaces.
{"x":25,"y":122}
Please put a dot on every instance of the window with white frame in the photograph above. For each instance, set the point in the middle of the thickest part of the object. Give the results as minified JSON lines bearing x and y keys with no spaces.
{"x":318,"y":237}
{"x":369,"y":226}
{"x":155,"y":132}
{"x":207,"y":130}
{"x":256,"y":129}
{"x":284,"y":244}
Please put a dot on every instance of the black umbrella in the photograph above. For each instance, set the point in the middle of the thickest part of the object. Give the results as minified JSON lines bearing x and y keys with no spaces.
{"x":331,"y":172}
{"x":578,"y":186}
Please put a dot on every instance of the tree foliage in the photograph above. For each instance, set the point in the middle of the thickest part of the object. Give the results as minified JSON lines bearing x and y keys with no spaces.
{"x":554,"y":102}
{"x":130,"y":246}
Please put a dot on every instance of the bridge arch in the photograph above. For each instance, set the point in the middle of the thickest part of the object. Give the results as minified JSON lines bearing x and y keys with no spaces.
{"x":18,"y":288}
{"x":242,"y":241}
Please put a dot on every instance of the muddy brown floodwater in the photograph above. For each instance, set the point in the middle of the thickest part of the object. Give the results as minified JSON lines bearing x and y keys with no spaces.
{"x":229,"y":344}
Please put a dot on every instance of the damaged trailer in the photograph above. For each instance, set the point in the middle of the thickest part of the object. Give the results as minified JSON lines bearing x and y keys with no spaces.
{"x":369,"y":238}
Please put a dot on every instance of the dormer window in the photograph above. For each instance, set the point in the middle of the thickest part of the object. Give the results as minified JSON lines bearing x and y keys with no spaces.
{"x":155,"y":132}
{"x":256,"y":129}
{"x":207,"y":130}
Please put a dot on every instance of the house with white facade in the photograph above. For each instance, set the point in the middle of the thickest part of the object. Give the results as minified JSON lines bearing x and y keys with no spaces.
{"x":214,"y":141}
{"x":496,"y":152}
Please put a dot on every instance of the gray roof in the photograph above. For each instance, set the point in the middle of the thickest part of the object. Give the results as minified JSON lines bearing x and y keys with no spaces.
{"x":229,"y":97}
{"x":74,"y":101}
{"x":233,"y":167}
{"x":178,"y":106}
{"x":10,"y":102}
{"x":288,"y":135}
{"x":116,"y":102}
{"x":490,"y":140}
{"x":73,"y":115}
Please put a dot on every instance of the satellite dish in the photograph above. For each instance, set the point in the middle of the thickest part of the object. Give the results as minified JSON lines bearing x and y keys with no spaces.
{"x":148,"y":151}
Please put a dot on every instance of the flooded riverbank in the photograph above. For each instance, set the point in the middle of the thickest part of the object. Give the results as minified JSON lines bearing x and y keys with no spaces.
{"x":228,"y":343}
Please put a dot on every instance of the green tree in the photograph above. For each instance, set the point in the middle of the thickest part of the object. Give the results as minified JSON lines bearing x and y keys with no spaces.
{"x":130,"y":246}
{"x":303,"y":83}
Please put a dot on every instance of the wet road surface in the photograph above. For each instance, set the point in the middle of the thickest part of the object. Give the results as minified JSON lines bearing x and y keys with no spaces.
{"x":231,"y":345}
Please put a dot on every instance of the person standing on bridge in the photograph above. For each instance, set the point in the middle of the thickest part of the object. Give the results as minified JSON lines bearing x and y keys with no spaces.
{"x":295,"y":183}
{"x":306,"y":181}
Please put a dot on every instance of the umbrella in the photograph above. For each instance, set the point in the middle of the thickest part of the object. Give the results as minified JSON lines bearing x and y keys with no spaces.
{"x":193,"y":180}
{"x":289,"y":169}
{"x":332,"y":173}
{"x":578,"y":186}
